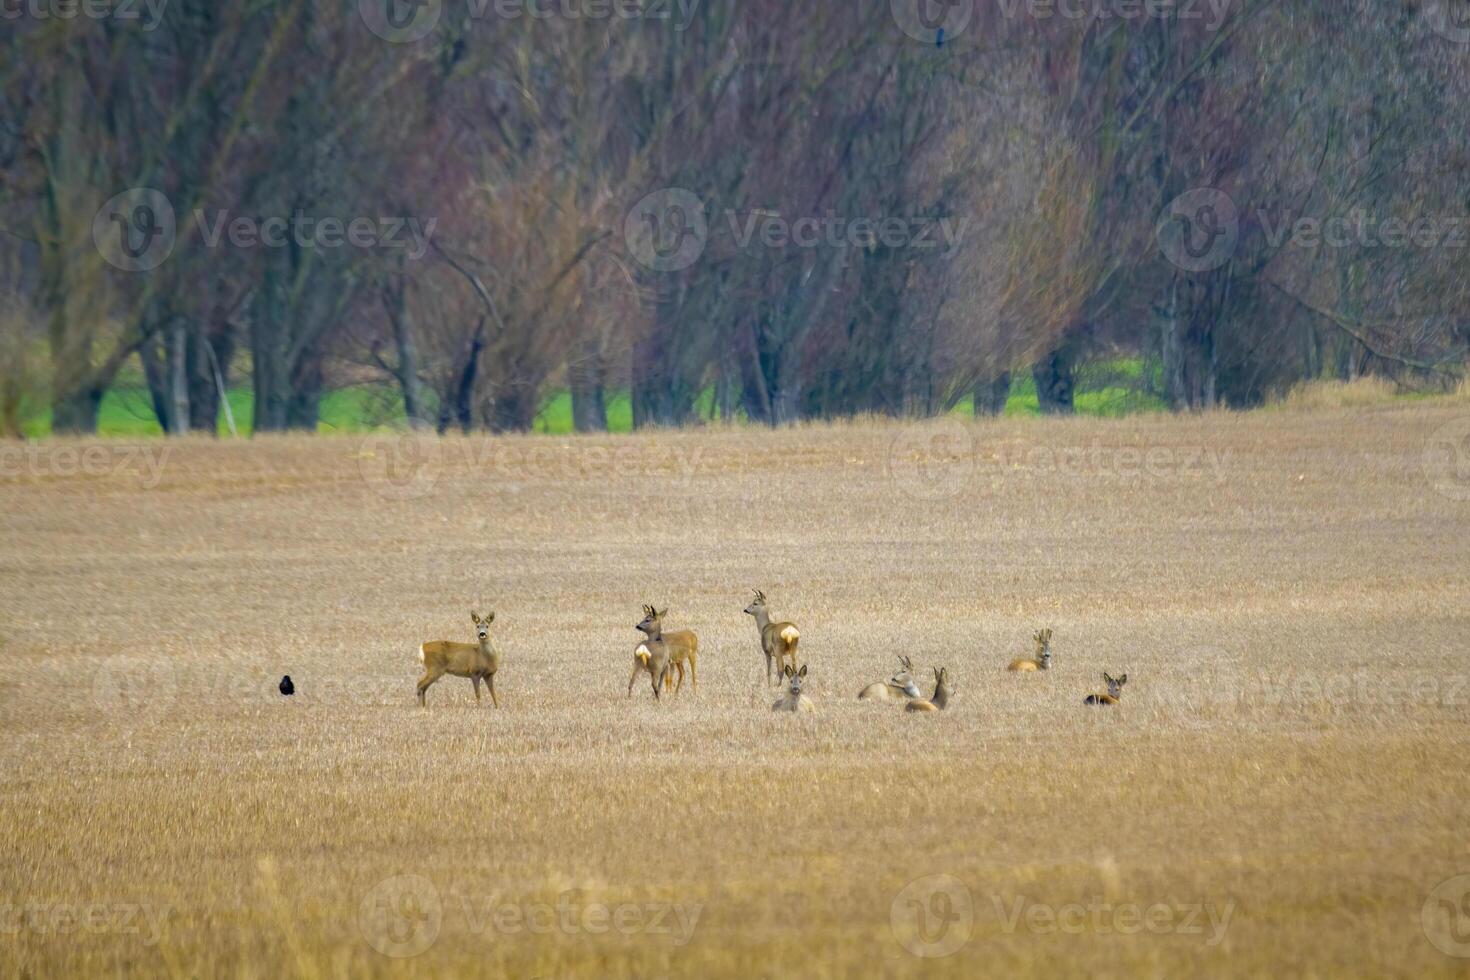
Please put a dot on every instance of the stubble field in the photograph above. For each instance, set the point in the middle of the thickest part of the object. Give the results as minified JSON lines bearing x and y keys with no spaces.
{"x":1283,"y":789}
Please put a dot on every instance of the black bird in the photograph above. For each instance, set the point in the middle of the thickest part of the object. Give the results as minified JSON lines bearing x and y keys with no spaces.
{"x":287,"y":688}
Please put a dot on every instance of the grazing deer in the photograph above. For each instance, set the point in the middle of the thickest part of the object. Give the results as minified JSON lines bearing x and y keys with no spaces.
{"x":899,"y":687}
{"x":1042,"y":660}
{"x":943,"y":691}
{"x":778,"y":640}
{"x":795,"y":698}
{"x":477,"y":661}
{"x":683,"y":645}
{"x":1115,"y":691}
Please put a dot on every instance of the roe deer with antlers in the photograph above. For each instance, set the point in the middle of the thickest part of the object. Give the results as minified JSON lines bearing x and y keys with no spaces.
{"x":899,"y":687}
{"x":477,"y":661}
{"x":778,"y":640}
{"x":1042,"y":660}
{"x":683,"y":645}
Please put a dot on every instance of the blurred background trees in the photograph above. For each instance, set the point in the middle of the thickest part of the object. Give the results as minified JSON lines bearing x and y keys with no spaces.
{"x":889,"y":225}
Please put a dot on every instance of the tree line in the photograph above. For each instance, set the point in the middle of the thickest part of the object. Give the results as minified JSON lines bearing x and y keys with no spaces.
{"x":739,"y":208}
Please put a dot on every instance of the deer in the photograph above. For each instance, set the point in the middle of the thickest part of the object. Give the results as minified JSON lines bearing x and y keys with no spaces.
{"x":1042,"y":660}
{"x":651,"y":655}
{"x":477,"y":661}
{"x":943,"y":690}
{"x":1115,"y":690}
{"x":683,"y":645}
{"x":795,"y":699}
{"x":778,"y":640}
{"x":899,"y":687}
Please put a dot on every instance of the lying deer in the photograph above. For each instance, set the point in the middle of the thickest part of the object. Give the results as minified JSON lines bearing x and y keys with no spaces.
{"x":1115,"y":691}
{"x":943,"y":691}
{"x":795,"y":698}
{"x":1042,"y":660}
{"x":683,"y":645}
{"x":899,"y":687}
{"x":778,"y":640}
{"x":477,"y":661}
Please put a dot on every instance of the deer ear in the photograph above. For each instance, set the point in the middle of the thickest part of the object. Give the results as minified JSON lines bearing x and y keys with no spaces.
{"x":663,"y":612}
{"x":474,"y":616}
{"x":490,"y":618}
{"x":1123,"y":679}
{"x":803,"y":670}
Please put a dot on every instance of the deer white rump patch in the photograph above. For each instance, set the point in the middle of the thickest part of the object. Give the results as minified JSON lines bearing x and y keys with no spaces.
{"x":789,"y":634}
{"x":422,"y":655}
{"x":643,"y":653}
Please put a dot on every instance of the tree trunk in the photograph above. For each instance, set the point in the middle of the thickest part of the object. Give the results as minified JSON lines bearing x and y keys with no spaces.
{"x":990,"y":396}
{"x":1055,"y":382}
{"x":395,"y":299}
{"x":589,"y":400}
{"x":178,"y":379}
{"x":76,"y":412}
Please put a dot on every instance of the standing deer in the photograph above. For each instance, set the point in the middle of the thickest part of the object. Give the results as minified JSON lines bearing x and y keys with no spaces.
{"x":683,"y":645}
{"x":1115,"y":690}
{"x":1042,"y":660}
{"x":651,"y":655}
{"x":943,"y":691}
{"x":778,"y":640}
{"x":899,"y":687}
{"x":795,"y":699}
{"x":477,"y":661}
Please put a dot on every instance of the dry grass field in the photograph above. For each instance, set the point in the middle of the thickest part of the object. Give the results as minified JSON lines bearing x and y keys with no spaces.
{"x":1283,"y":789}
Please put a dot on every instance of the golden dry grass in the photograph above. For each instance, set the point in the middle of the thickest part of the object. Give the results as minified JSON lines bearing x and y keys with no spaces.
{"x":1281,"y":791}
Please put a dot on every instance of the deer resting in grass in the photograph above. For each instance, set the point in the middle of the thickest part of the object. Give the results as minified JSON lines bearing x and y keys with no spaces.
{"x":683,"y":645}
{"x":778,"y":640}
{"x":899,"y":687}
{"x":1042,"y":660}
{"x":795,"y":699}
{"x":477,"y":661}
{"x":943,"y":691}
{"x":1115,"y":690}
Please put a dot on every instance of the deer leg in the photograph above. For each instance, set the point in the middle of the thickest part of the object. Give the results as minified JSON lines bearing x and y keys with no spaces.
{"x":490,"y":682}
{"x":768,"y":670}
{"x":631,"y":679}
{"x":475,"y":680}
{"x":680,"y":686}
{"x":430,"y":676}
{"x":693,"y":679}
